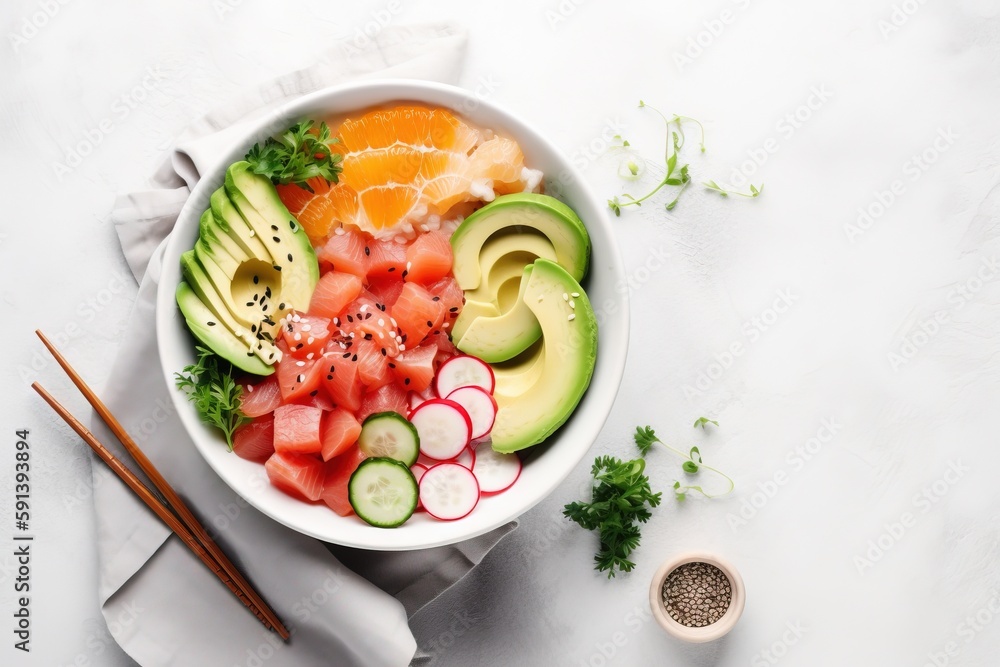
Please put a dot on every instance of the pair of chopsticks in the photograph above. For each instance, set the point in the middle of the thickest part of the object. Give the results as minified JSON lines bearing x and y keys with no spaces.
{"x":173,"y":512}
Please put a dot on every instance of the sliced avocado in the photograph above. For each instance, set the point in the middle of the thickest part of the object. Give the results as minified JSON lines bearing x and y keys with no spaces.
{"x":516,"y":214}
{"x":570,"y":342}
{"x":504,"y":257}
{"x":229,"y":219}
{"x":207,"y":329}
{"x":495,"y":339}
{"x":201,"y":284}
{"x":516,"y":376}
{"x":471,"y":311}
{"x":211,"y":233}
{"x":289,"y":248}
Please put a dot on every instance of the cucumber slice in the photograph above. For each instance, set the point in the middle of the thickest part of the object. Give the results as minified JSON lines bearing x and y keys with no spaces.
{"x":383,"y":492}
{"x":389,"y":435}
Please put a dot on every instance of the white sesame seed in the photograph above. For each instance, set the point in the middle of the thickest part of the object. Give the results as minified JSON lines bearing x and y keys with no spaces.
{"x":541,"y":297}
{"x":399,"y":339}
{"x":391,"y":319}
{"x":565,"y":296}
{"x":571,"y":317}
{"x":364,"y":307}
{"x":301,"y":378}
{"x":297,"y":336}
{"x":350,"y":335}
{"x":307,"y":327}
{"x":381,"y":322}
{"x":252,"y":233}
{"x":310,"y":355}
{"x":310,"y":340}
{"x":572,"y":304}
{"x":402,"y":348}
{"x":381,"y":335}
{"x":249,"y":388}
{"x":300,"y":363}
{"x":446,"y":325}
{"x":574,"y":294}
{"x":408,"y":265}
{"x":339,"y":231}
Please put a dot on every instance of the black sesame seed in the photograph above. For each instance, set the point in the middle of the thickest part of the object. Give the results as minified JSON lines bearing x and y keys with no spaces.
{"x":249,"y":303}
{"x":350,"y":318}
{"x":256,"y":280}
{"x":354,"y":358}
{"x":263,"y":309}
{"x":253,"y":328}
{"x":267,"y":292}
{"x":391,"y":269}
{"x":300,"y":378}
{"x":368,"y":251}
{"x":329,"y":377}
{"x":383,"y":351}
{"x":292,"y":226}
{"x":270,"y":356}
{"x":333,"y":369}
{"x":281,"y":306}
{"x":276,"y":239}
{"x":314,"y":392}
{"x":250,"y":353}
{"x":392,"y":365}
{"x":289,"y":257}
{"x":404,"y":272}
{"x":429,"y":323}
{"x":368,"y":336}
{"x":453,"y":309}
{"x":277,"y":268}
{"x":368,"y":316}
{"x":274,"y":227}
{"x":299,"y":346}
{"x":256,"y":297}
{"x":211,"y":324}
{"x":346,"y":355}
{"x":437,"y":298}
{"x":406,"y":381}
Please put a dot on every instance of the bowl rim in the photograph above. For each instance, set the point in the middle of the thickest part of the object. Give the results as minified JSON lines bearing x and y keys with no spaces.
{"x":464,"y":103}
{"x":705,"y":633}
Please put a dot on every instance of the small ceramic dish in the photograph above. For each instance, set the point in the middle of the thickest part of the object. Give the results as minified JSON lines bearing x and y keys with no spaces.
{"x":705,"y":633}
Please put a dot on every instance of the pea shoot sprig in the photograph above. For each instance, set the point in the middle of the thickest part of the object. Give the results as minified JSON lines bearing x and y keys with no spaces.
{"x":209,"y":384}
{"x":645,"y":438}
{"x":674,"y":175}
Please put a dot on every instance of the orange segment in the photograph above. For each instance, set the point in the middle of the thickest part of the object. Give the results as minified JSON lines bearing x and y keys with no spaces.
{"x":401,"y":164}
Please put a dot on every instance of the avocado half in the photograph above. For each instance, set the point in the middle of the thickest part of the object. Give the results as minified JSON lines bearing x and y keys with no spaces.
{"x":536,"y":397}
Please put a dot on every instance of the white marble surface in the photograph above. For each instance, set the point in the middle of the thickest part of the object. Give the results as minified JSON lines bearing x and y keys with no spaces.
{"x":903,"y":94}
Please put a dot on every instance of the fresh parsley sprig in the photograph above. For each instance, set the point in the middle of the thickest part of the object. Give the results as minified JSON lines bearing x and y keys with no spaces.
{"x":621,"y":501}
{"x":209,"y":384}
{"x":297,"y":155}
{"x":645,"y":438}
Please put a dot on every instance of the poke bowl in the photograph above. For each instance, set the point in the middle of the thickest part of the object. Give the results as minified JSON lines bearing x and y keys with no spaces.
{"x":449,"y":342}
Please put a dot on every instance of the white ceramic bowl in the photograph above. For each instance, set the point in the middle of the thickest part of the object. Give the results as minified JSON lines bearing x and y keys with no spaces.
{"x":546,"y":465}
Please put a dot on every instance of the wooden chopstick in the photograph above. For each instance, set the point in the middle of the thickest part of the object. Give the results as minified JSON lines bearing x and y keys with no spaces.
{"x":151,"y":501}
{"x":184,"y":514}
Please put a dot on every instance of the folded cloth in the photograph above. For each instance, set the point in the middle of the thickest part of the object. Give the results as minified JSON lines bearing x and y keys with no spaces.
{"x":162,"y":605}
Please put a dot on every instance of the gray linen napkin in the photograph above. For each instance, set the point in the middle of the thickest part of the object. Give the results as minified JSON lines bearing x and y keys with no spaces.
{"x":162,"y":605}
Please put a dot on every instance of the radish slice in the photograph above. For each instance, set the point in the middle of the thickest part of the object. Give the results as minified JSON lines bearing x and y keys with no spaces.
{"x":496,"y":472}
{"x":467,"y":458}
{"x":444,"y":428}
{"x":464,"y":371}
{"x":481,"y":407}
{"x":449,"y":491}
{"x":419,"y":398}
{"x":418,"y":470}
